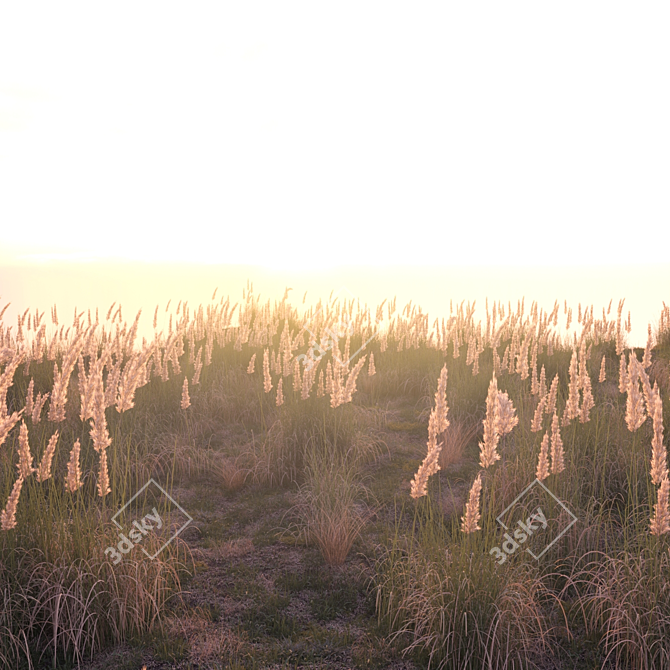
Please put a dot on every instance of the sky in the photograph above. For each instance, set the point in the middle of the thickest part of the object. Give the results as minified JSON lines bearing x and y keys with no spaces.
{"x":297,"y":136}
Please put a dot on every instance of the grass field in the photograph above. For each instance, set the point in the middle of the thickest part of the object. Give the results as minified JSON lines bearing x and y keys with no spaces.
{"x":332,"y":489}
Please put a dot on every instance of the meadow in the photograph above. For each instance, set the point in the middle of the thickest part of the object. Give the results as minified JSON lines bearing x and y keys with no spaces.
{"x":268,"y":487}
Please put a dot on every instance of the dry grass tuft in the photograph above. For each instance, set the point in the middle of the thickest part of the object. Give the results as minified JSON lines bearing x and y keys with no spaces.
{"x":272,"y":457}
{"x":660,"y":372}
{"x":207,"y":645}
{"x":457,"y":436}
{"x":86,"y":603}
{"x":453,"y":500}
{"x":230,"y":549}
{"x":206,"y":641}
{"x":627,"y":602}
{"x":230,"y":473}
{"x":328,"y":512}
{"x":180,"y":459}
{"x":457,"y":611}
{"x":235,"y":548}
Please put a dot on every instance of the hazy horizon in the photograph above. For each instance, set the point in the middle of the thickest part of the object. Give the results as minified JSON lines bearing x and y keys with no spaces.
{"x":522,"y":149}
{"x":145,"y":285}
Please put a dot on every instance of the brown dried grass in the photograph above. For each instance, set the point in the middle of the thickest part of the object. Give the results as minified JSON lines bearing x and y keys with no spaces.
{"x":230,"y":473}
{"x":660,"y":372}
{"x":206,"y":640}
{"x":328,"y":511}
{"x":459,"y":434}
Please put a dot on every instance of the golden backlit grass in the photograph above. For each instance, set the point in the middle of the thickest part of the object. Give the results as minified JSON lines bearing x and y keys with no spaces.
{"x":594,"y":437}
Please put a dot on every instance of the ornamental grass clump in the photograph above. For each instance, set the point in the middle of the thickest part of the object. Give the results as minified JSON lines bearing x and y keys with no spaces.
{"x":453,"y":608}
{"x":457,"y":436}
{"x":329,"y":512}
{"x":439,"y":588}
{"x":624,"y":600}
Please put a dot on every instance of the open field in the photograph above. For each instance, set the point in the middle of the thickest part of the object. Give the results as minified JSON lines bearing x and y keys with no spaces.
{"x":331,"y":488}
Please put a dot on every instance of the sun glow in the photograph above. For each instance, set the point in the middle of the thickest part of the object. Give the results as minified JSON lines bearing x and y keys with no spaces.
{"x":296,"y":137}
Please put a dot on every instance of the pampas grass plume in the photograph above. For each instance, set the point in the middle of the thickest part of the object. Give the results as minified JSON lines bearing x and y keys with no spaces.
{"x":506,"y":417}
{"x":543,"y":461}
{"x":103,"y":475}
{"x":25,"y":463}
{"x":185,"y":399}
{"x":487,"y":449}
{"x":44,"y":470}
{"x":280,"y":395}
{"x":659,"y":467}
{"x":267,"y":380}
{"x":371,"y":365}
{"x":557,"y":464}
{"x":661,"y":521}
{"x":8,"y":515}
{"x":250,"y":367}
{"x":73,"y":479}
{"x":469,"y":521}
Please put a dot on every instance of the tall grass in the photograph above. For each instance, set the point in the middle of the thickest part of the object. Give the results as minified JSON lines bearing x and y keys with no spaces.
{"x":440,"y":593}
{"x":447,"y":605}
{"x":438,"y":587}
{"x":331,"y":510}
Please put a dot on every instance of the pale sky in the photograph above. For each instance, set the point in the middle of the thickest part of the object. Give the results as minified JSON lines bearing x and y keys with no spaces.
{"x":312,"y":133}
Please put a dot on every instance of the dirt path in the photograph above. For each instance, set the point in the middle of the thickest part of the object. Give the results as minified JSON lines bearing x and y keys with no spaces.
{"x":261,"y":600}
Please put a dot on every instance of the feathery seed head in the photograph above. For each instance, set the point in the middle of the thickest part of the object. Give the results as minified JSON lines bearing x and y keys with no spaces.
{"x":469,"y":521}
{"x":543,"y":461}
{"x":44,"y":470}
{"x":73,"y":479}
{"x":557,"y":464}
{"x":506,"y":417}
{"x":659,"y":467}
{"x":25,"y":464}
{"x":250,"y":367}
{"x":185,"y":399}
{"x":280,"y":395}
{"x":487,"y":448}
{"x":660,"y":523}
{"x":8,"y":515}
